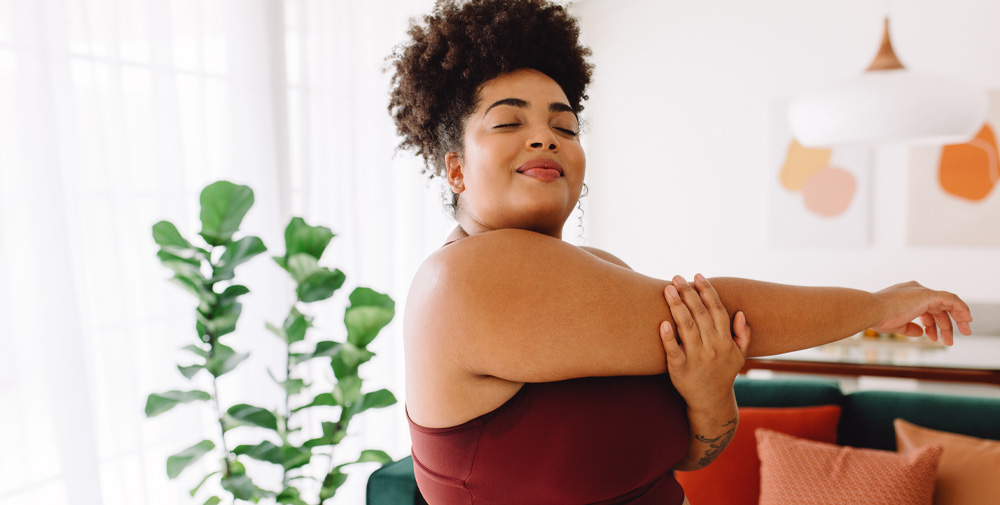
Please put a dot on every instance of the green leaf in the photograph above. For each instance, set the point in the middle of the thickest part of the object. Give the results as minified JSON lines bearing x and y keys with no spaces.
{"x":333,"y":433}
{"x":241,"y":486}
{"x":320,"y":285}
{"x":197,"y":349}
{"x":158,"y":403}
{"x":289,"y":496}
{"x":236,"y":254}
{"x":195,"y":287}
{"x":347,"y":390}
{"x":293,"y":329}
{"x":331,"y":483}
{"x":178,"y":462}
{"x":294,"y":457}
{"x":291,"y":386}
{"x":213,"y":500}
{"x":264,"y":451}
{"x":375,"y":400}
{"x":347,"y":358}
{"x":222,"y":321}
{"x":204,"y":479}
{"x":369,"y":456}
{"x":224,"y":360}
{"x":182,"y":266}
{"x":190,"y":371}
{"x":248,"y":415}
{"x":223,"y":206}
{"x":301,"y":266}
{"x":165,"y":234}
{"x":326,"y":348}
{"x":295,"y":326}
{"x":323,"y":348}
{"x":289,"y":457}
{"x":365,"y":297}
{"x":278,"y":332}
{"x":302,"y":238}
{"x":231,"y":293}
{"x":280,"y":260}
{"x":319,"y":400}
{"x":202,"y":331}
{"x":369,"y":312}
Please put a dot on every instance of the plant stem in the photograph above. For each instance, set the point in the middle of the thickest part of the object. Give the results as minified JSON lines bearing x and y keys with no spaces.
{"x":212,"y":341}
{"x":222,"y":426}
{"x":334,"y":446}
{"x":288,"y":411}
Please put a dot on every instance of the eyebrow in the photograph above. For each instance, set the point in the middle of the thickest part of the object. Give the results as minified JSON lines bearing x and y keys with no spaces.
{"x":522,"y":104}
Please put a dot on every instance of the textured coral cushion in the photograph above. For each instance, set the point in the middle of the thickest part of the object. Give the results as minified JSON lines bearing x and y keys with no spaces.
{"x":969,"y":473}
{"x":802,"y":472}
{"x":733,"y":478}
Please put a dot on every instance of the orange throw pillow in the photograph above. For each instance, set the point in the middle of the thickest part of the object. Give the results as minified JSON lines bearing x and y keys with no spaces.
{"x":969,"y":473}
{"x":802,"y":472}
{"x":734,"y":477}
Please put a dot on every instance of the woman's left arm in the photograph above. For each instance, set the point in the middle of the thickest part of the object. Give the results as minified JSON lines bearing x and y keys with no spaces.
{"x":703,"y":359}
{"x":788,"y":318}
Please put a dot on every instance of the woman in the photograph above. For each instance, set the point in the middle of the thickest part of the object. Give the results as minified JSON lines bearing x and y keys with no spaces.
{"x":535,"y":368}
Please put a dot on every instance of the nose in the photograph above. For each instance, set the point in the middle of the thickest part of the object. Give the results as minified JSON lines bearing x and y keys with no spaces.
{"x":543,"y":139}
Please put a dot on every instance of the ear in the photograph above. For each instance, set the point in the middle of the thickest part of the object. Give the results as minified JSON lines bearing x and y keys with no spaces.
{"x":453,"y":171}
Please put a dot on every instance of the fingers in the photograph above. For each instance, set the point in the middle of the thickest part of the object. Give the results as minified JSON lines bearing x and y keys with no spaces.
{"x":717,"y":311}
{"x":912,"y":330}
{"x":930,"y":327}
{"x":961,"y":314}
{"x":952,"y":307}
{"x":675,"y":355}
{"x":705,"y":325}
{"x":687,"y":328}
{"x":944,"y":324}
{"x":742,"y":332}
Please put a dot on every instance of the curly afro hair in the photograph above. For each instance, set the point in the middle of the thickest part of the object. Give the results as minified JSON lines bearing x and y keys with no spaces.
{"x":463,"y":44}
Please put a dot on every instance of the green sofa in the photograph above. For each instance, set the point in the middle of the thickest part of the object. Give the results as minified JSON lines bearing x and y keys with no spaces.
{"x":866,"y":421}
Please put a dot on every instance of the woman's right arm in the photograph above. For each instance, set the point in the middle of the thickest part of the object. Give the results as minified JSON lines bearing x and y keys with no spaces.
{"x":525,"y":307}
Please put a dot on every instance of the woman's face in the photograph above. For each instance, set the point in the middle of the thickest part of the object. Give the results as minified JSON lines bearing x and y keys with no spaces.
{"x":522,"y":165}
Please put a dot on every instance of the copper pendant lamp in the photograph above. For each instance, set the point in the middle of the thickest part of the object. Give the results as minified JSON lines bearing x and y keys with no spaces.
{"x":888,"y":104}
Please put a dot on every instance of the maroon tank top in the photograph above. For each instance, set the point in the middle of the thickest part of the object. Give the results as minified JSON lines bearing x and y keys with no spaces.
{"x":595,"y":440}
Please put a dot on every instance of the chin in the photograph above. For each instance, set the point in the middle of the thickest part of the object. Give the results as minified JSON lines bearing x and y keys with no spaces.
{"x":542,"y":218}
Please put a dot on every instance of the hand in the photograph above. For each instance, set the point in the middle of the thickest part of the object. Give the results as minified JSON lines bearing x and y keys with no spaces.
{"x":903,"y":303}
{"x":704,"y":362}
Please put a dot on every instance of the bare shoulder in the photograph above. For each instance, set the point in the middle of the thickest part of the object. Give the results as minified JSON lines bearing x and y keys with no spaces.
{"x":467,"y":273}
{"x":499,"y":309}
{"x":442,"y":390}
{"x":606,"y":256}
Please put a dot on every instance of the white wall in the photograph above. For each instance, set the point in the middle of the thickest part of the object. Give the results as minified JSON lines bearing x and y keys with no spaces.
{"x":678,"y":119}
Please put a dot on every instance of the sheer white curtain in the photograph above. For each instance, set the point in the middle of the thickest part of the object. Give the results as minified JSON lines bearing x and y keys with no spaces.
{"x":113,"y":115}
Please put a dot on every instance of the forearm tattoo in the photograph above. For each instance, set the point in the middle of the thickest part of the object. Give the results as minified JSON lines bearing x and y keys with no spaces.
{"x":717,"y":444}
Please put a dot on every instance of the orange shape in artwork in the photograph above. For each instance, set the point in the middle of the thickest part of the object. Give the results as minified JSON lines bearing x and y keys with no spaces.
{"x":829,"y":193}
{"x":970,"y":170}
{"x":801,"y":163}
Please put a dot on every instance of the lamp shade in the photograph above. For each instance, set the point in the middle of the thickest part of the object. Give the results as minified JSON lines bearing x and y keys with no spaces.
{"x":889,"y":106}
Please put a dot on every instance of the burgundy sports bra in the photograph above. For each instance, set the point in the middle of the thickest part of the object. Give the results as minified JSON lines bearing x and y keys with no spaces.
{"x":595,"y":440}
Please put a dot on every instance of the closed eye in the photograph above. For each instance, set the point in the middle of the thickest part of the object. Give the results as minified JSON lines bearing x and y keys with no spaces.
{"x":567,"y":131}
{"x":507,"y":125}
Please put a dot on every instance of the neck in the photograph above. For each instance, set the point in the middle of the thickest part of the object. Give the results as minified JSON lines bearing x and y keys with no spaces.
{"x":468,"y":227}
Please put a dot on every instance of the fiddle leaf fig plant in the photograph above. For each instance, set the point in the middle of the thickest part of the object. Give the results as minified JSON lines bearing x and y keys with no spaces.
{"x":208,"y":273}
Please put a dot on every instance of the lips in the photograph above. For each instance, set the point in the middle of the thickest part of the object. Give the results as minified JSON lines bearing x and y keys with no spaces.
{"x":542,"y":168}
